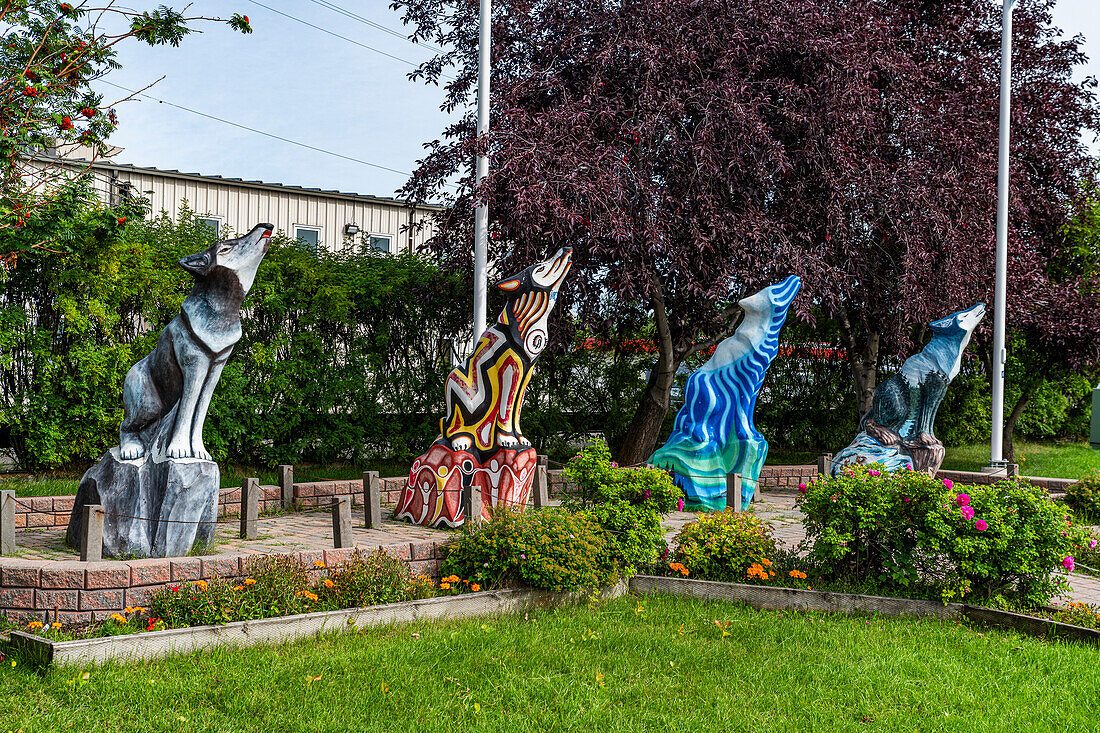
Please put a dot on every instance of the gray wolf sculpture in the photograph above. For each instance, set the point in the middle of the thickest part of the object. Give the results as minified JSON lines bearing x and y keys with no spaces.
{"x":187,"y":362}
{"x":897,"y":430}
{"x":484,"y":399}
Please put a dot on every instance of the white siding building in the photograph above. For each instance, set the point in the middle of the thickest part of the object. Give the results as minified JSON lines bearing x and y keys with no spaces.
{"x":231,"y":205}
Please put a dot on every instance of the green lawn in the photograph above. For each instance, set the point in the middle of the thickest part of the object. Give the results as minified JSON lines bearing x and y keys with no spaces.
{"x":656,"y":664}
{"x":1053,"y":460}
{"x":60,"y":483}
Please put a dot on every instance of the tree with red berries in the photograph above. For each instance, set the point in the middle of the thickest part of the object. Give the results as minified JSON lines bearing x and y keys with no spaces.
{"x":692,"y":152}
{"x":49,"y":52}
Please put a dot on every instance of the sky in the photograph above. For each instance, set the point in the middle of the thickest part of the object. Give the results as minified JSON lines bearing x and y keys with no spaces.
{"x":301,"y":83}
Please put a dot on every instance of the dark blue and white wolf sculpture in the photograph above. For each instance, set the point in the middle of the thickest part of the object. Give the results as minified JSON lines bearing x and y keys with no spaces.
{"x":897,"y":430}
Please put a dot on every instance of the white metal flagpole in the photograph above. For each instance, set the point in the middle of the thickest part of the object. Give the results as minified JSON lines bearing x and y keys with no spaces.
{"x":481,"y":213}
{"x":1000,"y":355}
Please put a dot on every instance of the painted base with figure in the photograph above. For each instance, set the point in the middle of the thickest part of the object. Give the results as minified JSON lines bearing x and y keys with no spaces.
{"x":480,"y":445}
{"x":714,"y":434}
{"x":897,"y":430}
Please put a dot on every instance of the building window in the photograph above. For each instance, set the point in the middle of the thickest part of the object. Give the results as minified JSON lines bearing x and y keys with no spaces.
{"x":380,"y":242}
{"x":310,"y":236}
{"x":214,"y":223}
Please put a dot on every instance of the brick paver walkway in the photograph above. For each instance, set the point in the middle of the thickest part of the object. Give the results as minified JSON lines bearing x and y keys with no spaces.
{"x":295,"y":532}
{"x":278,"y":533}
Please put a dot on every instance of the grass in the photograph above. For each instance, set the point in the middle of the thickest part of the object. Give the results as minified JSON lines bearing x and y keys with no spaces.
{"x":1052,"y":460}
{"x":655,"y":664}
{"x":61,"y":483}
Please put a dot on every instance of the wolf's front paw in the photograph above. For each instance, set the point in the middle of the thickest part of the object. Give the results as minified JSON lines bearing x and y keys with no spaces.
{"x":130,"y":450}
{"x":524,"y":441}
{"x":201,"y":453}
{"x":177,"y":450}
{"x":506,"y":441}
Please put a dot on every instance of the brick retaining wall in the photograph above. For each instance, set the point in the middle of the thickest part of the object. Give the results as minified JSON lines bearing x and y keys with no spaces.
{"x":73,"y":591}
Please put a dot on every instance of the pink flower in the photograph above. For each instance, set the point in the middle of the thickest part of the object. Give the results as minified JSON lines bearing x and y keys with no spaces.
{"x":1068,"y":563}
{"x":1092,"y":545}
{"x":802,"y":488}
{"x":948,"y":484}
{"x":908,"y":466}
{"x":647,"y":493}
{"x":906,"y":499}
{"x":614,"y":465}
{"x":874,"y":472}
{"x":680,"y":505}
{"x":968,"y":513}
{"x":961,"y":499}
{"x":980,"y":525}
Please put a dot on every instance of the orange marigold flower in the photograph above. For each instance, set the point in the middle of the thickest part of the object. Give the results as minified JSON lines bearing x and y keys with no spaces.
{"x":202,"y":584}
{"x":767,"y":562}
{"x":238,"y":587}
{"x":445,"y":585}
{"x":55,"y":625}
{"x":329,"y":583}
{"x":318,"y":564}
{"x":250,"y":581}
{"x":34,"y":625}
{"x":475,"y":587}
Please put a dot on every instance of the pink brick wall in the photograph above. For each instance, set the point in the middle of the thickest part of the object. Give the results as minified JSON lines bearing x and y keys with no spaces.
{"x":74,"y":591}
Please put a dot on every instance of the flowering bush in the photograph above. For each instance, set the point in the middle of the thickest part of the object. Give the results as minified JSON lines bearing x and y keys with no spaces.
{"x":627,"y":502}
{"x":548,"y":548}
{"x":281,"y":585}
{"x":1085,"y":548}
{"x":1084,"y":497}
{"x":726,"y":546}
{"x":905,"y":530}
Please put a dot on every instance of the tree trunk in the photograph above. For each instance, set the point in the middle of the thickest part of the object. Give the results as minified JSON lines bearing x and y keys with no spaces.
{"x":864,"y":362}
{"x":1008,"y":448}
{"x":645,"y":427}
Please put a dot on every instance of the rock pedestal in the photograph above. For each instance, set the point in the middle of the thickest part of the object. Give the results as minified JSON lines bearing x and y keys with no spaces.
{"x":151,"y":508}
{"x":433,"y":492}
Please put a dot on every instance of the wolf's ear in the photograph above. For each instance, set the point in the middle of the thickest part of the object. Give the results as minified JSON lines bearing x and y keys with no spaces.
{"x":197,"y":264}
{"x":509,"y":285}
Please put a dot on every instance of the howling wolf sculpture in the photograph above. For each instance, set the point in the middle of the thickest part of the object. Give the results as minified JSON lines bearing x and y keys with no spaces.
{"x":897,"y":430}
{"x":480,"y":442}
{"x":714,"y":433}
{"x":159,"y":488}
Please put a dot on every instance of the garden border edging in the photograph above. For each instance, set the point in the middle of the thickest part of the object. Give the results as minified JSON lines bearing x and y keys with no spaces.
{"x":154,"y":644}
{"x":772,"y":598}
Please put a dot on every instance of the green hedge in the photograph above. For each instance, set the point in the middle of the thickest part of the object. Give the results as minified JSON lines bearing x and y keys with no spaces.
{"x":343,"y":355}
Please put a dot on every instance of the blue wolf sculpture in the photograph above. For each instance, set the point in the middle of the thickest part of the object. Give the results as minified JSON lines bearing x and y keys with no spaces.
{"x":897,"y":430}
{"x":714,"y":433}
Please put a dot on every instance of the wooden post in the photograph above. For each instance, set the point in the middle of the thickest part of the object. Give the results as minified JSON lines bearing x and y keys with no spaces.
{"x":7,"y":522}
{"x":733,"y":492}
{"x":91,"y":534}
{"x":250,"y":509}
{"x":540,"y":487}
{"x":825,"y":464}
{"x":756,"y":491}
{"x":471,"y":499}
{"x":286,"y":484}
{"x":372,"y":500}
{"x":341,"y":522}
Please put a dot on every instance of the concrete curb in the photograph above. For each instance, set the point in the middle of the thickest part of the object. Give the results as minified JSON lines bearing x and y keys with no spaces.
{"x":768,"y":598}
{"x":155,"y":644}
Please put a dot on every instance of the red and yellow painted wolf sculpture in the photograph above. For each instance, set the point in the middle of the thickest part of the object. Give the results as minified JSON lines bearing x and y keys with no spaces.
{"x":480,"y":443}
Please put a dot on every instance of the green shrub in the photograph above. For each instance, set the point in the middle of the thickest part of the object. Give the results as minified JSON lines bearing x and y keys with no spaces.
{"x":549,"y":548}
{"x":724,"y":545}
{"x":627,"y":503}
{"x":909,"y":531}
{"x":1084,"y":497}
{"x":1085,"y":549}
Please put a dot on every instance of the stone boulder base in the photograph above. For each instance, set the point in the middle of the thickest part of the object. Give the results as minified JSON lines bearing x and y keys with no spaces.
{"x":141,"y":497}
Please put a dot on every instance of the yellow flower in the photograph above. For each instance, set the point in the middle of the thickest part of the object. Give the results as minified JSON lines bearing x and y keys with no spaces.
{"x":797,"y":574}
{"x":767,"y":562}
{"x":128,"y":609}
{"x":329,"y":583}
{"x":201,"y":584}
{"x":445,"y":585}
{"x":238,"y":587}
{"x":139,"y":609}
{"x":34,"y":625}
{"x":118,"y":617}
{"x":55,"y":625}
{"x":318,"y":564}
{"x":309,"y":595}
{"x":250,"y":581}
{"x":475,"y":587}
{"x":451,"y":579}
